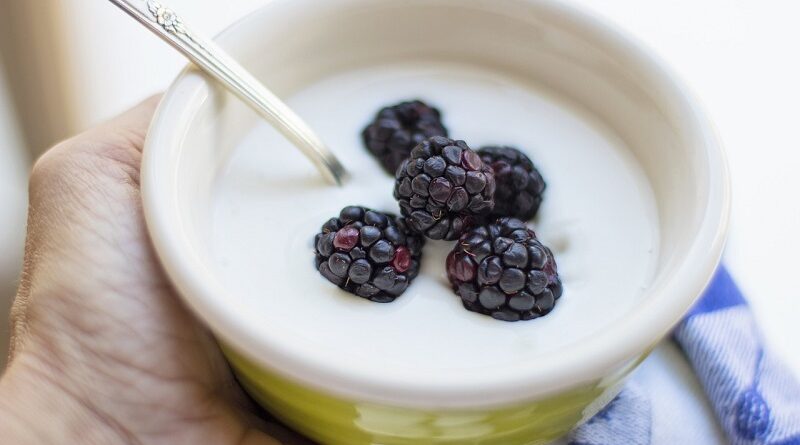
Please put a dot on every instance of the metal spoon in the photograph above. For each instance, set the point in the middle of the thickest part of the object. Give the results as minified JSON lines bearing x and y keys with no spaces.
{"x":216,"y":62}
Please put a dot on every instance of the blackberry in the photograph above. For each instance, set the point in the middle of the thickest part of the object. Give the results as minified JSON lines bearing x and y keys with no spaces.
{"x":368,"y":253}
{"x":519,"y":184}
{"x":398,"y":128}
{"x":443,"y":188}
{"x":502,"y":270}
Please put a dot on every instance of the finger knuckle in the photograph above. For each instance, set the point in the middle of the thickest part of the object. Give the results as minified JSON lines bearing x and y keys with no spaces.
{"x":54,"y":165}
{"x":73,"y":161}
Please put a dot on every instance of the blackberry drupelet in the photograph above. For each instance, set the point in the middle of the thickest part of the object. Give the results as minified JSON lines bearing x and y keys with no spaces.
{"x":502,"y":270}
{"x":443,"y":188}
{"x":519,"y":184}
{"x":398,"y":128}
{"x":368,"y":253}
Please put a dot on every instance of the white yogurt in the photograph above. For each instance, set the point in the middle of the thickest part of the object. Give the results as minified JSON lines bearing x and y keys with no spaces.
{"x":598,"y":216}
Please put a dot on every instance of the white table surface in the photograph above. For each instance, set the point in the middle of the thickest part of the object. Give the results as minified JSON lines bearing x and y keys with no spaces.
{"x":741,"y":58}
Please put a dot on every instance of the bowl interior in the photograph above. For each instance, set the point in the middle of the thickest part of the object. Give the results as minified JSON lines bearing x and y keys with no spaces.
{"x":571,"y":59}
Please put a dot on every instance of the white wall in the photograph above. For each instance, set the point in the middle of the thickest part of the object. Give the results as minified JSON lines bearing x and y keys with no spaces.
{"x":117,"y":62}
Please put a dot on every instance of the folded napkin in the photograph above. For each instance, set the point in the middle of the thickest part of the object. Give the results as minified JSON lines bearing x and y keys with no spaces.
{"x":755,"y":397}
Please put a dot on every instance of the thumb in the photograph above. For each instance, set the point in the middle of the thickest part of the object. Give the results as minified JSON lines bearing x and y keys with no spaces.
{"x":83,"y":206}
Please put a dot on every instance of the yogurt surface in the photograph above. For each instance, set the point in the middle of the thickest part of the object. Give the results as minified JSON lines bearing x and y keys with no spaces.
{"x":598,"y":216}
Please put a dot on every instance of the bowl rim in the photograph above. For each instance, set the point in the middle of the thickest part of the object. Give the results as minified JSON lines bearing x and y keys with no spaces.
{"x":586,"y":363}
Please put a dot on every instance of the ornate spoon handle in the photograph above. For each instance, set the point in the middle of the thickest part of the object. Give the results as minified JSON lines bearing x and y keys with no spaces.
{"x":213,"y":60}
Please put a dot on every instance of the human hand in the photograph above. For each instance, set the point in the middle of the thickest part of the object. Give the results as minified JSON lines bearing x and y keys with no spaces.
{"x":102,"y":350}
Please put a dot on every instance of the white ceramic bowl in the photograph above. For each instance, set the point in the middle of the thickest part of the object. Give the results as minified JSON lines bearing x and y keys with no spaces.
{"x":290,"y":44}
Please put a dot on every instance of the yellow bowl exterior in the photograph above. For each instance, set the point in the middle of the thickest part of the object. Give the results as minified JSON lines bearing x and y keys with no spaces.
{"x":332,"y":420}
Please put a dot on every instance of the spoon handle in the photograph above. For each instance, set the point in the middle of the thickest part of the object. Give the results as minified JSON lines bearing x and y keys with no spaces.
{"x":216,"y":62}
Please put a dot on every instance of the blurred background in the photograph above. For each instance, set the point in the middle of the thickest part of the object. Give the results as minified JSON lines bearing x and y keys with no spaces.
{"x":68,"y":64}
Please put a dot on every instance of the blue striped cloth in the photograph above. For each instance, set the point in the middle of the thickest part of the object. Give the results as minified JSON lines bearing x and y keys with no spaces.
{"x":755,"y":397}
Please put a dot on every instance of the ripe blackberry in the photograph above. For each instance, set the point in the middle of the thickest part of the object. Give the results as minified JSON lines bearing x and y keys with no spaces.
{"x":368,"y":253}
{"x":398,"y":128}
{"x":502,"y":270}
{"x":519,"y":184}
{"x":443,"y":187}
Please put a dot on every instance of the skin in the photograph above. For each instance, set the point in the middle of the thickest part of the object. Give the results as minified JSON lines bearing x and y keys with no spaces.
{"x":102,"y":350}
